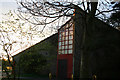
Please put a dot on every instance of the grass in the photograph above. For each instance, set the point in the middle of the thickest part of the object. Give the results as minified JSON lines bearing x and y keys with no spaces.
{"x":29,"y":77}
{"x":33,"y":75}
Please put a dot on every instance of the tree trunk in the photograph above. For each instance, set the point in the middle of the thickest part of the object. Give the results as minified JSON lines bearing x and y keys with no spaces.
{"x":79,"y":37}
{"x":83,"y":29}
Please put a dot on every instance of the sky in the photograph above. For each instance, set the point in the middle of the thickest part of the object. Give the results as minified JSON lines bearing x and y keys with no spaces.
{"x":6,"y":5}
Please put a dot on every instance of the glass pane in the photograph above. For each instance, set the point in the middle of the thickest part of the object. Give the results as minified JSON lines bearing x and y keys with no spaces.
{"x":63,"y":34}
{"x":62,"y":51}
{"x":70,"y":46}
{"x":60,"y":39}
{"x":66,"y":42}
{"x":66,"y":47}
{"x":65,"y":51}
{"x":71,"y":28}
{"x":60,"y":35}
{"x":70,"y":51}
{"x":71,"y":24}
{"x":61,"y":31}
{"x":59,"y":43}
{"x":59,"y":47}
{"x":66,"y":38}
{"x":63,"y":43}
{"x":63,"y":38}
{"x":62,"y":47}
{"x":71,"y":32}
{"x":66,"y":32}
{"x":70,"y":37}
{"x":70,"y":42}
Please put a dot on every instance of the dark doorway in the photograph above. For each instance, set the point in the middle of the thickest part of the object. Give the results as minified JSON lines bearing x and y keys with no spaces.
{"x":62,"y":69}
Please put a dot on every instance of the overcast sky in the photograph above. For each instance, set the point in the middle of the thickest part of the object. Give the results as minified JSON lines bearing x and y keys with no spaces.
{"x":6,"y":5}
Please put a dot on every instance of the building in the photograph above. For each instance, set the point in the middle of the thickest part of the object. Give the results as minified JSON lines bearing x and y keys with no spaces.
{"x":88,"y":49}
{"x":84,"y":50}
{"x":47,"y":48}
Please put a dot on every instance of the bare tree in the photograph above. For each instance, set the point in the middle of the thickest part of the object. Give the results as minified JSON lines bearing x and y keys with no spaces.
{"x":114,"y":19}
{"x":48,"y":11}
{"x":7,"y":44}
{"x":12,"y":32}
{"x":9,"y":28}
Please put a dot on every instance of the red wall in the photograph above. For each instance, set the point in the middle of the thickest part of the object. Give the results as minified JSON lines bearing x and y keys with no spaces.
{"x":69,"y":58}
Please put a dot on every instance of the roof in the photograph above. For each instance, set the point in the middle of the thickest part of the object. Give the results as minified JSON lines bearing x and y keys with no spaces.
{"x":37,"y":43}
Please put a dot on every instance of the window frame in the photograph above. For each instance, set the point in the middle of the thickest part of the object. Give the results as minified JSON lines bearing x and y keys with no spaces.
{"x":65,"y":48}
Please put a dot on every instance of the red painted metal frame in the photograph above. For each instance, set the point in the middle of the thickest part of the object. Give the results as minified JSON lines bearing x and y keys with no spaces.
{"x":68,"y":57}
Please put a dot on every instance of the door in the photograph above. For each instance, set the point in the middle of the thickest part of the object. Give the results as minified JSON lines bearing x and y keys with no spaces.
{"x":62,"y":68}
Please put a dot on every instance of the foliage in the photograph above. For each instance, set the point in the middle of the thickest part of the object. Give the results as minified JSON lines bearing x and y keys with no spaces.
{"x":33,"y":63}
{"x":12,"y":31}
{"x":7,"y":68}
{"x":5,"y":63}
{"x":7,"y":29}
{"x":38,"y":59}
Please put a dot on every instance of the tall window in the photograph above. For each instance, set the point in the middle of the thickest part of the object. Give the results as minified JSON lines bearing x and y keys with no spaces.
{"x":65,"y":45}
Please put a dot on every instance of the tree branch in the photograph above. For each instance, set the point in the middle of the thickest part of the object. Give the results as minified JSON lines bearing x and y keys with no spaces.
{"x":106,"y":11}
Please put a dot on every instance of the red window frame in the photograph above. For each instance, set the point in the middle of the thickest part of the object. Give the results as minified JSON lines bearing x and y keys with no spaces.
{"x":64,"y":39}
